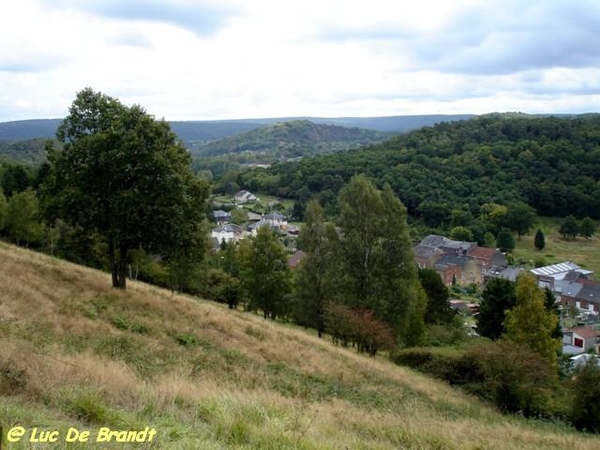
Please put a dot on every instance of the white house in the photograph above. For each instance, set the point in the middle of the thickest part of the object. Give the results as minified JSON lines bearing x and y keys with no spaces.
{"x":275,"y":219}
{"x":579,"y":340}
{"x":244,"y":197}
{"x":227,"y":233}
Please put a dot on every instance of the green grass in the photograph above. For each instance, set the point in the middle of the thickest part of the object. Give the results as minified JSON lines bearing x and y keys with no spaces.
{"x":584,"y":252}
{"x":207,"y":377}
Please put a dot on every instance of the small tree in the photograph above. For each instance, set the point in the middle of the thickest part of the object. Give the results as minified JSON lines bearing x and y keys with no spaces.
{"x":3,"y":209}
{"x":569,"y":228}
{"x":497,"y":298}
{"x":520,"y":218}
{"x":505,"y":240}
{"x":22,"y":222}
{"x":461,"y":233}
{"x":587,"y":228}
{"x":539,"y":241}
{"x":265,"y":274}
{"x":438,"y":306}
{"x":530,"y":323}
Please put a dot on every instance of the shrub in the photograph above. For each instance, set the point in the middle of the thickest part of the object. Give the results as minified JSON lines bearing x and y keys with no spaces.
{"x":585,"y":409}
{"x":359,"y":328}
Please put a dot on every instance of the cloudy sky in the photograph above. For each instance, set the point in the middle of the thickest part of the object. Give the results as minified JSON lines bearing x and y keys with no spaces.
{"x":228,"y":59}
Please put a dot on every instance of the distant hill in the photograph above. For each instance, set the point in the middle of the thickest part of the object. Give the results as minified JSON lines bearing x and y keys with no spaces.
{"x":293,"y":139}
{"x":29,"y":151}
{"x":199,"y":132}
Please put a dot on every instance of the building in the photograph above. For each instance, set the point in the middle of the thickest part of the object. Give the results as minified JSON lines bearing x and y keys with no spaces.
{"x":460,"y":261}
{"x":227,"y":233}
{"x":221,"y":217}
{"x":579,"y":340}
{"x":242,"y":197}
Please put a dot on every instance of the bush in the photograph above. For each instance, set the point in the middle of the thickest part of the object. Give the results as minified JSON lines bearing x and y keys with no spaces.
{"x":359,"y":328}
{"x":512,"y":377}
{"x":585,"y":409}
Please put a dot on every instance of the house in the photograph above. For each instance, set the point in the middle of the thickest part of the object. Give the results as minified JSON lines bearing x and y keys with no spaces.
{"x":221,"y":217}
{"x":253,"y":227}
{"x":227,"y":233}
{"x":275,"y":219}
{"x":253,"y":217}
{"x":487,"y":257}
{"x":295,"y":259}
{"x":244,"y":197}
{"x":503,"y":271}
{"x":579,"y":340}
{"x":548,"y":275}
{"x":460,"y":268}
{"x":583,"y":296}
{"x":427,"y":255}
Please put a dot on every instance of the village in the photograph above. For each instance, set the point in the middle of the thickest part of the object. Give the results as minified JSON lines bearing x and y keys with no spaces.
{"x":463,"y":266}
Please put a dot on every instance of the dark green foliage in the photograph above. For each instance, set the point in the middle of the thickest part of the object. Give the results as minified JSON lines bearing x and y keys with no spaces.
{"x":292,"y":139}
{"x":122,"y":175}
{"x":438,"y":306}
{"x":498,"y":297}
{"x":265,"y":274}
{"x":520,"y":218}
{"x":587,"y":228}
{"x":313,"y":284}
{"x":539,"y":241}
{"x":15,"y":178}
{"x":505,"y":240}
{"x":549,"y":163}
{"x":376,"y":269}
{"x":552,"y":306}
{"x":585,"y":410}
{"x":514,"y":378}
{"x":569,"y":228}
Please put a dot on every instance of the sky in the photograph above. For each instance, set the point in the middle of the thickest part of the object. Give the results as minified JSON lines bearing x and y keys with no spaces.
{"x":233,"y":59}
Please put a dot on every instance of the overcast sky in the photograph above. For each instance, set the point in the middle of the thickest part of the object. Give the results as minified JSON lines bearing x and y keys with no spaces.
{"x":228,"y":59}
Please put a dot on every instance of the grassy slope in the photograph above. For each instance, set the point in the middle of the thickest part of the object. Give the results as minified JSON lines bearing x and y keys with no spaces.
{"x":77,"y":353}
{"x":584,"y":252}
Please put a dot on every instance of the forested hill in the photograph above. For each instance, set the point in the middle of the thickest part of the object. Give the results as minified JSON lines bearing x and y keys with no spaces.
{"x":293,"y":139}
{"x":551,"y":163}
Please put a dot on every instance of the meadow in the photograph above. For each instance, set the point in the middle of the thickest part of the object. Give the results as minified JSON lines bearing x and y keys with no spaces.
{"x":77,"y":353}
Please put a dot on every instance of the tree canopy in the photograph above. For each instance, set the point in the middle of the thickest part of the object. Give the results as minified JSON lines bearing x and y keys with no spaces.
{"x":122,"y":175}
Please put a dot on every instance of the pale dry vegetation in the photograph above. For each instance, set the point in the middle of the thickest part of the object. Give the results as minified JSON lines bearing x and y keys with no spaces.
{"x":75,"y":352}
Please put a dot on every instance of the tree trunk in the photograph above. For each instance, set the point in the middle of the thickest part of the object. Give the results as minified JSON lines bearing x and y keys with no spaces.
{"x":122,"y":272}
{"x":113,"y":265}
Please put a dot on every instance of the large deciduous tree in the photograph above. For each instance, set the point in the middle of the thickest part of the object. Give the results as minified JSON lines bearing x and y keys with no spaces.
{"x":265,"y":274}
{"x":313,"y":284}
{"x":123,"y":176}
{"x":376,"y":268}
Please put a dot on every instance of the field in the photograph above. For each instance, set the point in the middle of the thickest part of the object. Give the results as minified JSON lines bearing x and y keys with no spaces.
{"x":76,"y":353}
{"x":584,"y":252}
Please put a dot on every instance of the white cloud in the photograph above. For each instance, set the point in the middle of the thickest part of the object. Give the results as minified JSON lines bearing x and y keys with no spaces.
{"x":231,"y":59}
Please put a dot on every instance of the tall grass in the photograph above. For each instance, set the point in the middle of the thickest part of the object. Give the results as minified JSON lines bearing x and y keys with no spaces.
{"x":77,"y":353}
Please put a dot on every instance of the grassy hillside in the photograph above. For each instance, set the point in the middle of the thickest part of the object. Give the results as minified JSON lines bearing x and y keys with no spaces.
{"x":293,"y":139}
{"x":76,"y":353}
{"x":585,"y":252}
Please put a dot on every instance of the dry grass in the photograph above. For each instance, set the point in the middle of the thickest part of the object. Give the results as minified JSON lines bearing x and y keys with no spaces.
{"x":585,"y":252}
{"x":76,"y":352}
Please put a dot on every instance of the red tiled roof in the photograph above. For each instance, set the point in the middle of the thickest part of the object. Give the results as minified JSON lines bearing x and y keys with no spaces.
{"x":482,"y":252}
{"x":585,"y":332}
